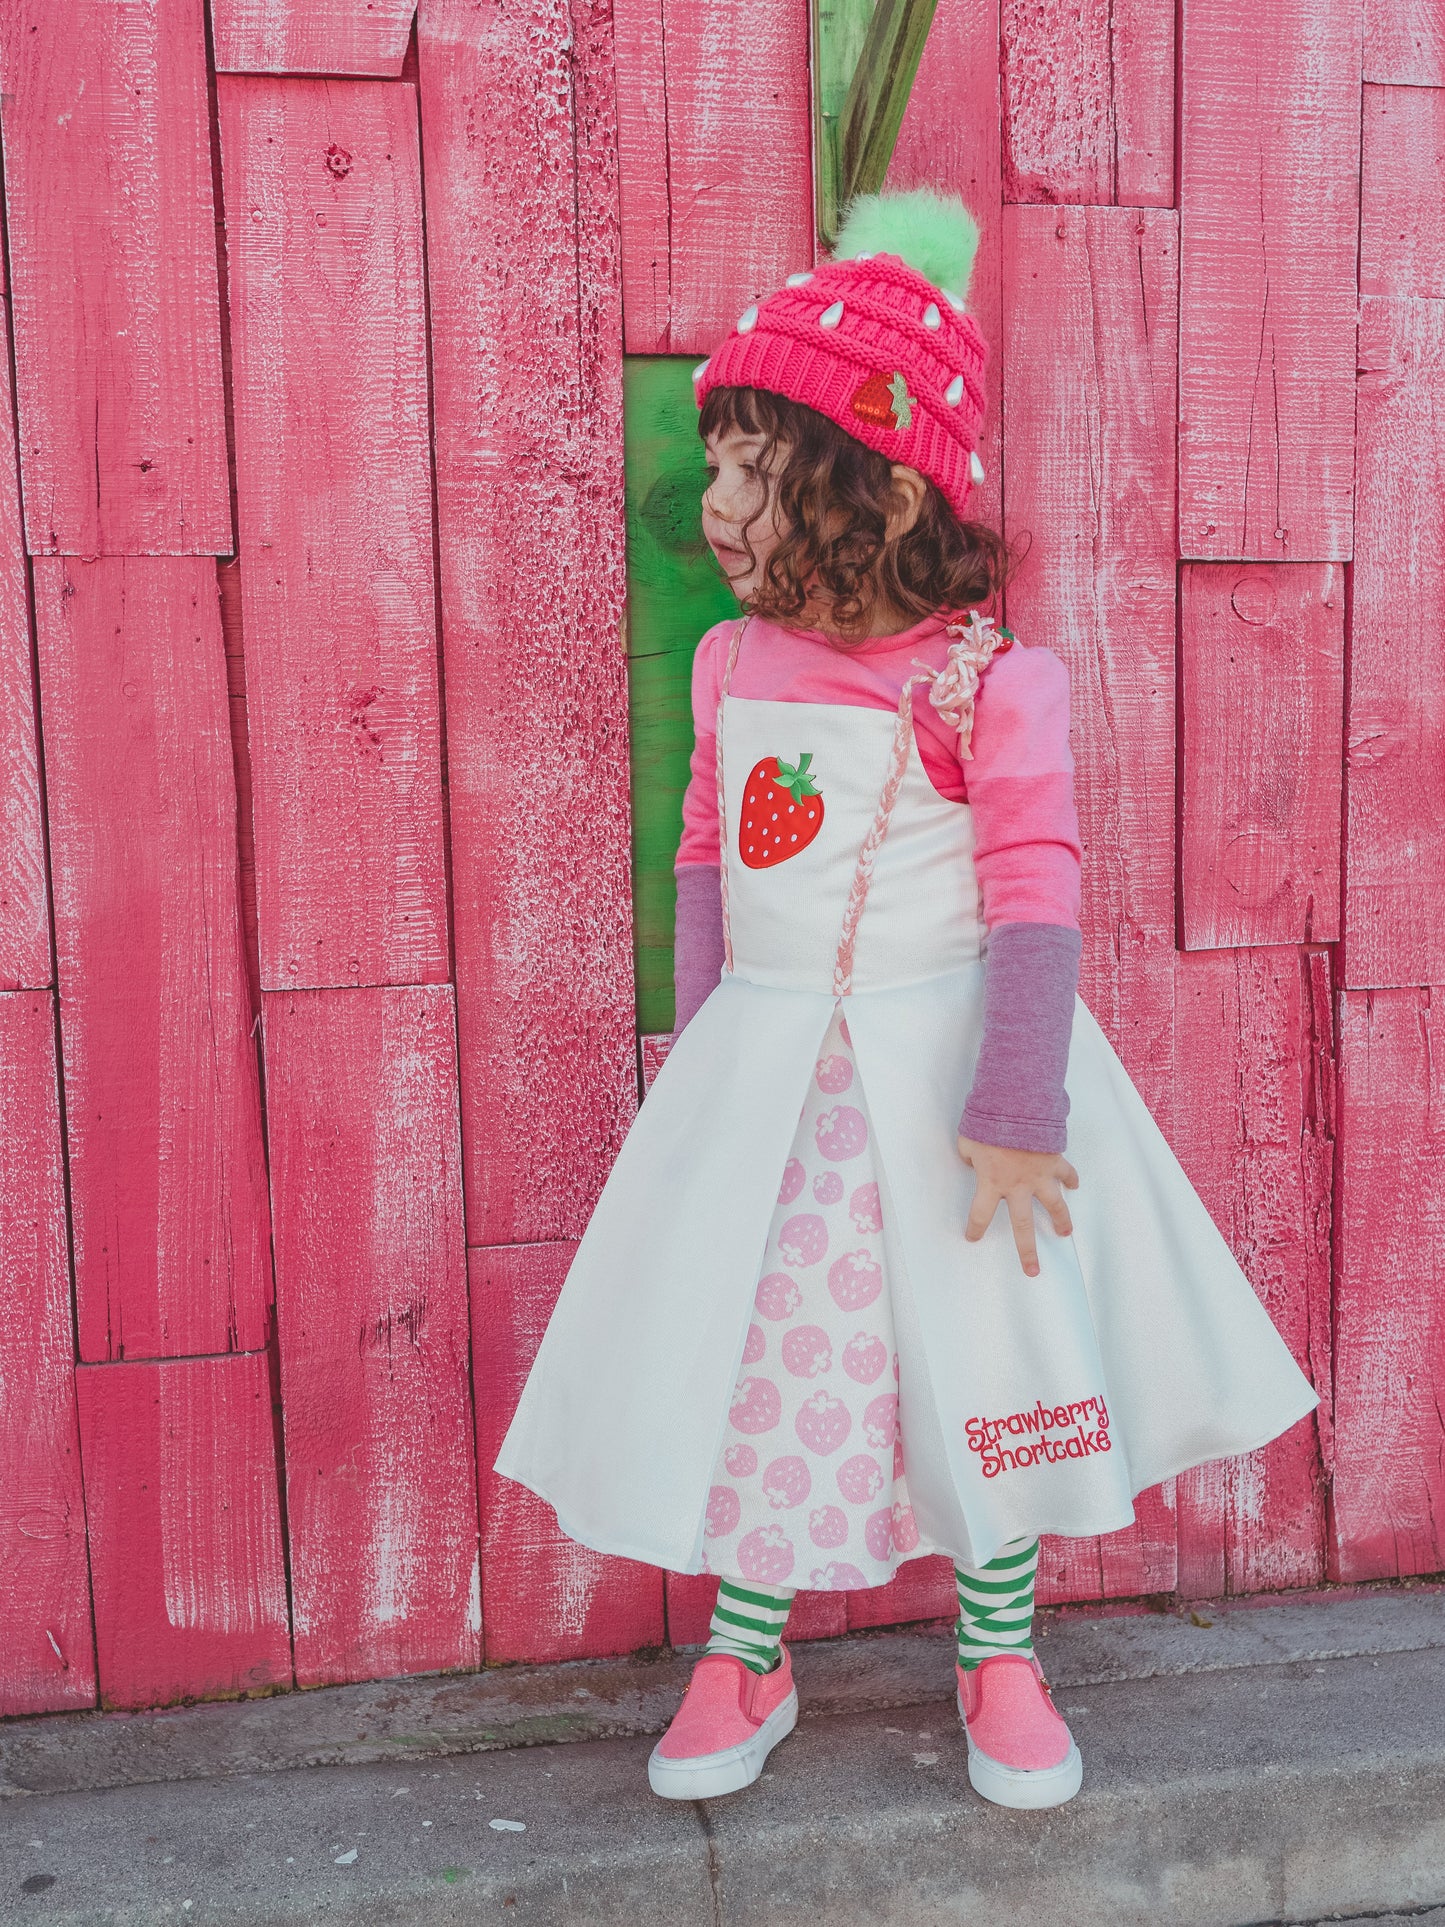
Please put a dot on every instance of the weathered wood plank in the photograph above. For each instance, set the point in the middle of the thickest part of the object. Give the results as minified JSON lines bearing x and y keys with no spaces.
{"x":372,"y":1319}
{"x":1395,"y":852}
{"x":167,"y":1170}
{"x":1088,"y":102}
{"x":950,"y":140}
{"x":1395,"y":778}
{"x":311,"y":36}
{"x":183,"y":1506}
{"x":1389,"y":1483}
{"x":47,"y":1655}
{"x":228,"y":579}
{"x":1089,"y":361}
{"x":923,"y":1589}
{"x":1262,"y":668}
{"x":690,"y":1598}
{"x":1090,"y":333}
{"x":1252,"y":1122}
{"x":1402,"y":215}
{"x":328,"y":337}
{"x":715,"y":142}
{"x":1405,"y":42}
{"x":24,"y":912}
{"x":544,"y":1597}
{"x":1136,"y":1562}
{"x":112,"y":235}
{"x":1268,"y":198}
{"x":526,"y":338}
{"x":640,"y":44}
{"x":1090,"y":329}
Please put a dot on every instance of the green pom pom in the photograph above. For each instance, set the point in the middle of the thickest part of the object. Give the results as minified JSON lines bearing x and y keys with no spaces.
{"x":933,"y":232}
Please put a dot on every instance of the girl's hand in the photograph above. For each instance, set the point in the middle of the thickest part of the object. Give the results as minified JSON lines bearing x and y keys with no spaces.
{"x":1018,"y":1177}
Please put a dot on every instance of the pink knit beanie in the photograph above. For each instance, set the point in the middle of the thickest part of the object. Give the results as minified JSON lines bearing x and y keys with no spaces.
{"x":878,"y":339}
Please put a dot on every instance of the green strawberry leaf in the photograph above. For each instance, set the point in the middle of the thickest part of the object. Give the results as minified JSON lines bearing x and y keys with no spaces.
{"x":795,"y":779}
{"x":903,"y":402}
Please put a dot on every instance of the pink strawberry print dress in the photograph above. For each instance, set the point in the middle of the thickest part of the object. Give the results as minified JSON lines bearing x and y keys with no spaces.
{"x":810,"y":1488}
{"x":775,"y":1355}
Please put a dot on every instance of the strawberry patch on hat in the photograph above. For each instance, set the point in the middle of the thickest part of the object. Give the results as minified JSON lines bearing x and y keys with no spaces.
{"x":885,"y":402}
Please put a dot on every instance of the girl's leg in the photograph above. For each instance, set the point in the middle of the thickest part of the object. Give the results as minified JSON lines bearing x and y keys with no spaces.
{"x":732,"y":1716}
{"x":996,"y":1605}
{"x":1020,"y":1751}
{"x":748,"y":1622}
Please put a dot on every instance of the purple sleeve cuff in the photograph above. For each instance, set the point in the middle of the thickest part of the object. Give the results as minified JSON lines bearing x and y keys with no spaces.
{"x":698,"y":955}
{"x":1031,"y":980}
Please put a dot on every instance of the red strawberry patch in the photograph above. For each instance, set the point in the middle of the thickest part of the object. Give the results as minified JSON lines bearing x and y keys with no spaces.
{"x":885,"y":402}
{"x":782,"y":812}
{"x":874,"y":402}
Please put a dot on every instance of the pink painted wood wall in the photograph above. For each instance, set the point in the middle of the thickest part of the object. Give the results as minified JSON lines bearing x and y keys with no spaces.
{"x":317,"y":1028}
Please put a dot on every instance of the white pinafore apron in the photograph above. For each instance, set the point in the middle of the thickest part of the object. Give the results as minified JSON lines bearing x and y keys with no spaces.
{"x":1023,"y":1405}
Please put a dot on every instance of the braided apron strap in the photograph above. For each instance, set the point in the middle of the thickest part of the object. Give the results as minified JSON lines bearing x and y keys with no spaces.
{"x":873,"y":842}
{"x":954,"y":687}
{"x":722,"y":821}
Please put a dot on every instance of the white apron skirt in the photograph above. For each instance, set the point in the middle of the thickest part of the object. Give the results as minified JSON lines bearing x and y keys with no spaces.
{"x":775,"y":1354}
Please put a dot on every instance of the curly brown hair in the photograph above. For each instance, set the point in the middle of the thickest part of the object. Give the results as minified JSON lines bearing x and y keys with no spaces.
{"x":833,"y":494}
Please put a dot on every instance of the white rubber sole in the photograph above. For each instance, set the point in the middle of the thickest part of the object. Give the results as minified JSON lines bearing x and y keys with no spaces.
{"x":1024,"y":1787}
{"x":710,"y":1775}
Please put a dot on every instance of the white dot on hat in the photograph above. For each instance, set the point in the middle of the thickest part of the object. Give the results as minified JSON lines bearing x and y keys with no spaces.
{"x":953,"y":394}
{"x":830,"y":317}
{"x":931,"y":317}
{"x":955,"y":301}
{"x":799,"y":280}
{"x":700,"y":370}
{"x":975,"y":467}
{"x":748,"y":319}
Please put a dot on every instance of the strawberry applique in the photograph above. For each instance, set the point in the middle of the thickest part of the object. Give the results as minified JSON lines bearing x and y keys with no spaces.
{"x":884,"y":401}
{"x":782,"y":812}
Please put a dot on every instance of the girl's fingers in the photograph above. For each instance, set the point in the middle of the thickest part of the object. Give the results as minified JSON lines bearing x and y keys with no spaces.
{"x":1058,"y":1211}
{"x":1020,"y":1210}
{"x":980,"y":1216}
{"x":987,"y":1197}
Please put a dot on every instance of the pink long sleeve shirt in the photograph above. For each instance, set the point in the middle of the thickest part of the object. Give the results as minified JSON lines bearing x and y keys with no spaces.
{"x":1020,"y":784}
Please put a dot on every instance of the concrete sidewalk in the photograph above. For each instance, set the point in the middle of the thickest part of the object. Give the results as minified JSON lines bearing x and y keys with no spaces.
{"x":1270,"y":1764}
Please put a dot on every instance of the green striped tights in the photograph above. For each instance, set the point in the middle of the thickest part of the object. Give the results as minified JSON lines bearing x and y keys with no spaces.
{"x":995,"y":1612}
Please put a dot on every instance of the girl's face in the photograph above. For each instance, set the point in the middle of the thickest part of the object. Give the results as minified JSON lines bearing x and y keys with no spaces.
{"x":737,"y":492}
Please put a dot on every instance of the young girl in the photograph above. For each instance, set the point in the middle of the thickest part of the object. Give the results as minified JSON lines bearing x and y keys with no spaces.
{"x":799,"y":1344}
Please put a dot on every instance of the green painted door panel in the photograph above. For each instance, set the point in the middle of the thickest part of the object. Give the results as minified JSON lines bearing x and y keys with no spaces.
{"x":675,"y":591}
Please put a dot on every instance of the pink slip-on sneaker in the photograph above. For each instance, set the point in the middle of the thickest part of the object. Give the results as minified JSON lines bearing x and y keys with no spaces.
{"x":1020,"y":1751}
{"x":729,"y":1722}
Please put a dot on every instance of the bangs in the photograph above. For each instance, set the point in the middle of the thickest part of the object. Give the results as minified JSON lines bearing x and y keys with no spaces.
{"x":752,"y":411}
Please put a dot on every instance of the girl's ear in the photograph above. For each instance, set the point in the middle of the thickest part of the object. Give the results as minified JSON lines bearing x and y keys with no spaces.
{"x":906,"y":502}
